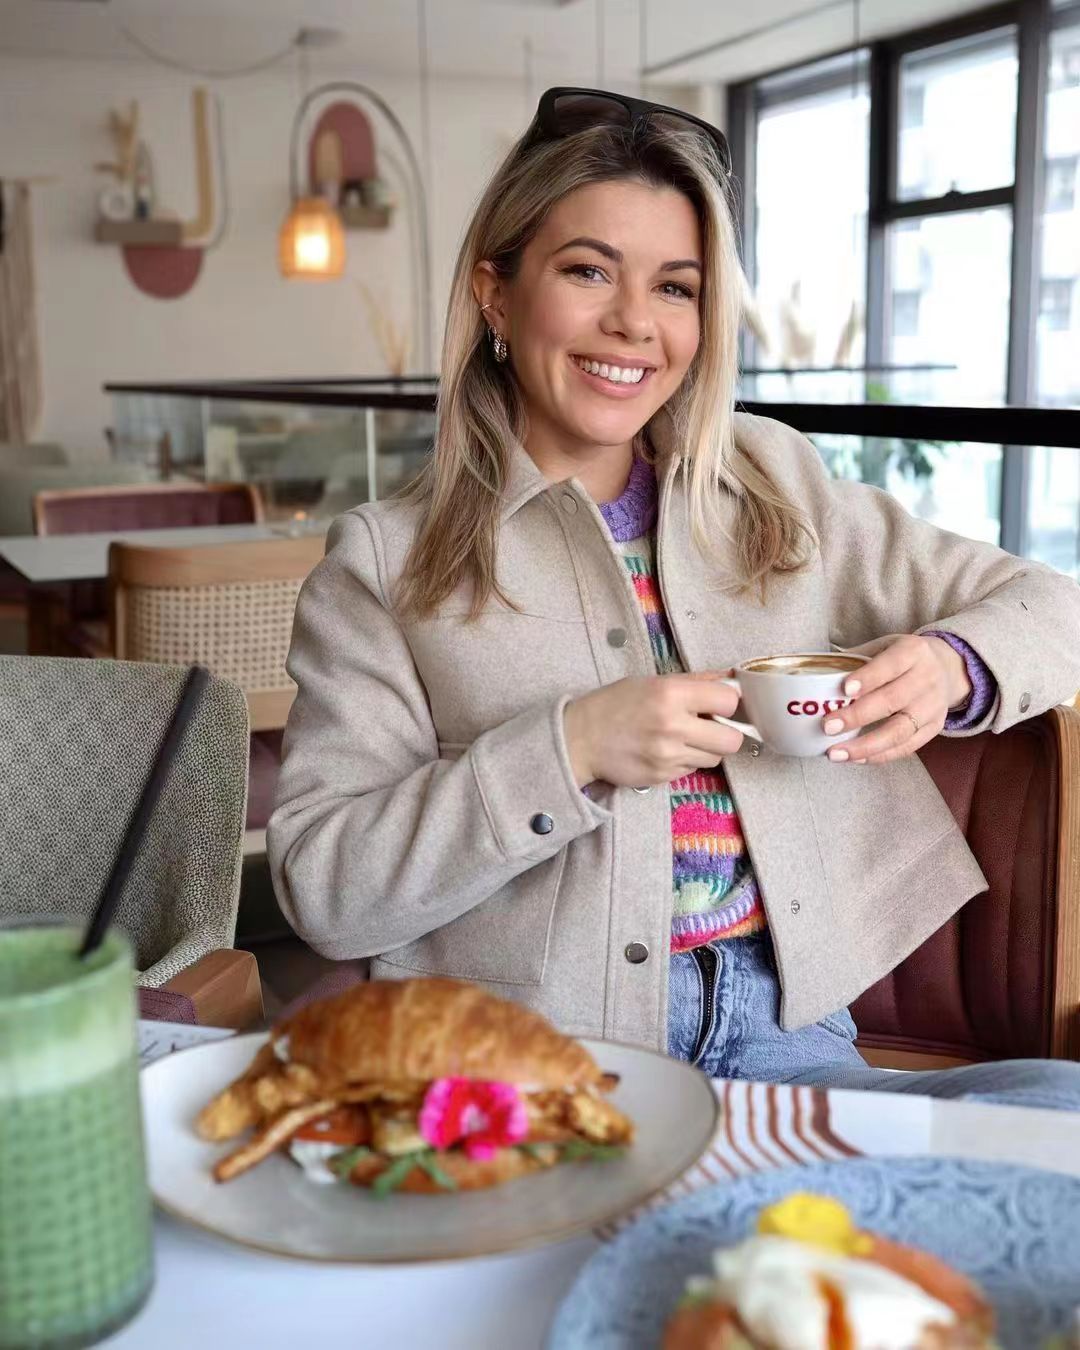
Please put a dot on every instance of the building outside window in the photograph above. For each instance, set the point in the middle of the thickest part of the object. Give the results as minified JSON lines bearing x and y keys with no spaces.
{"x":905,"y":313}
{"x":1061,"y":183}
{"x":1053,"y":516}
{"x":1055,"y":308}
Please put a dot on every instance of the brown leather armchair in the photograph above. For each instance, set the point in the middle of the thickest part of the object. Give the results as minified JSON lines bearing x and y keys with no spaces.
{"x":1001,"y":979}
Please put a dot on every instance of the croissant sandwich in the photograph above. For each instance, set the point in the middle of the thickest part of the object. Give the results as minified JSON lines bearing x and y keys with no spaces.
{"x":810,"y":1280}
{"x":417,"y":1085}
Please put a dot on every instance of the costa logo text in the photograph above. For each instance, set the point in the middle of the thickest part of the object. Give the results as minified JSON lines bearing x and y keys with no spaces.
{"x":812,"y":708}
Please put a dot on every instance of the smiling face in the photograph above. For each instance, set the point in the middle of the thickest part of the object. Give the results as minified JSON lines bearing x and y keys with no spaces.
{"x":602,"y":317}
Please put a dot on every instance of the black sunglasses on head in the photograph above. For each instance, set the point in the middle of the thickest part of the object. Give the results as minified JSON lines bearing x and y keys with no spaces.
{"x":562,"y":112}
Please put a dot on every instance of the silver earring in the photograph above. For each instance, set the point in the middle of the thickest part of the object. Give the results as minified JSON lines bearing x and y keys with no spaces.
{"x":498,"y":345}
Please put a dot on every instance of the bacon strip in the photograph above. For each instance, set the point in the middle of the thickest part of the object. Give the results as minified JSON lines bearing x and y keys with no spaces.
{"x":264,"y":1143}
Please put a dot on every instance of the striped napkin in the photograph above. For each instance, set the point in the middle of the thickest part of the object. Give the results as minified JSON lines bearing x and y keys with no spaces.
{"x":764,"y":1126}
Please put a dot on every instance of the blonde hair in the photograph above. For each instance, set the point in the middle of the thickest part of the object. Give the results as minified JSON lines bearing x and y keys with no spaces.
{"x":481,"y":409}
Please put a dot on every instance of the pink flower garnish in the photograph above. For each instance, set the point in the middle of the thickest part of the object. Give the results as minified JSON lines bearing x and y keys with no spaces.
{"x":486,"y":1116}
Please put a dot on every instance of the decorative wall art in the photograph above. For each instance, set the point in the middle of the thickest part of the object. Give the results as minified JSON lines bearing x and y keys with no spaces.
{"x":334,"y":185}
{"x":21,"y":391}
{"x":162,"y":254}
{"x":341,"y":189}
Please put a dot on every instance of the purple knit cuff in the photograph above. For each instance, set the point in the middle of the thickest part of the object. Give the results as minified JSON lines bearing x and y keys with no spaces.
{"x":983,"y":685}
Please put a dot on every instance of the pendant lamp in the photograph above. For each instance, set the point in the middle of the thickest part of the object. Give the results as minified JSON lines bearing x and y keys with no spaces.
{"x":311,"y":243}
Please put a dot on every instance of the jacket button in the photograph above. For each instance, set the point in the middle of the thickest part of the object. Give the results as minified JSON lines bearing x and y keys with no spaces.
{"x":795,"y":906}
{"x":541,"y":824}
{"x":1025,"y":702}
{"x":616,"y":637}
{"x":753,"y":748}
{"x":636,"y":953}
{"x":643,"y":790}
{"x":569,"y":502}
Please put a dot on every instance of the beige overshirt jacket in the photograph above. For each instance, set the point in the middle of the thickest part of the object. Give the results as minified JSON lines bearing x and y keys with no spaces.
{"x":418,"y":754}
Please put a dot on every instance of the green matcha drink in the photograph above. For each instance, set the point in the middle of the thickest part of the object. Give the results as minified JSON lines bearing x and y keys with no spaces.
{"x":75,"y":1253}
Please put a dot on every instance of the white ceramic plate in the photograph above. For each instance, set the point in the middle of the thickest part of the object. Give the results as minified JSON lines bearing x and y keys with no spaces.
{"x":274,"y":1208}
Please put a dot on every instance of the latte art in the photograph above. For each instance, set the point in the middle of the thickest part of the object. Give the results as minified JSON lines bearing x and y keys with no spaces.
{"x":811,"y":664}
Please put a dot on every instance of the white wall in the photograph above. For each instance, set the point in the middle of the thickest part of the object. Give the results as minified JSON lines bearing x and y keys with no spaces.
{"x":240,"y":319}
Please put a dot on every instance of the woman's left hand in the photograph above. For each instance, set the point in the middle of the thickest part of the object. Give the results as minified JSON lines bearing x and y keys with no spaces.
{"x":908,"y":686}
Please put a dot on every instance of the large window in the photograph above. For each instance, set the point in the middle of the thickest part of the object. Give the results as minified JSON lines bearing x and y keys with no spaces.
{"x":955,"y":268}
{"x":951,"y":264}
{"x":932,"y":256}
{"x":812,"y":147}
{"x":962,"y":136}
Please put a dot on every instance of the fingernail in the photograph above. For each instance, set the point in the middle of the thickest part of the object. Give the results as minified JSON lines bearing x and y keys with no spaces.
{"x":833,"y":726}
{"x":838,"y":754}
{"x":852,"y":687}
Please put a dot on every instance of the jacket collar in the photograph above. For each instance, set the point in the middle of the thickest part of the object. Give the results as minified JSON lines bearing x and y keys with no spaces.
{"x":524,"y":481}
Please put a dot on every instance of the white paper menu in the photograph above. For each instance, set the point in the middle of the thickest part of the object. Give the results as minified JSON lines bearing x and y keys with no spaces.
{"x":157,"y":1039}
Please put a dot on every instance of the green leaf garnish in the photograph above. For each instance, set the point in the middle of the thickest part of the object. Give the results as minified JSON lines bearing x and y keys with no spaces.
{"x":431,"y":1166}
{"x":390,"y":1179}
{"x":572,"y":1150}
{"x":342,"y":1164}
{"x":577,"y":1149}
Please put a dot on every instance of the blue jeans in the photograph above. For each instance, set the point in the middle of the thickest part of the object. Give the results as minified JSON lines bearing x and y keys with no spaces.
{"x":723,"y":1017}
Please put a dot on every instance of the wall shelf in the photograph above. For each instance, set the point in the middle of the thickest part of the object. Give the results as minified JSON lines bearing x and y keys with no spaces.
{"x":160,"y":233}
{"x":365,"y":217}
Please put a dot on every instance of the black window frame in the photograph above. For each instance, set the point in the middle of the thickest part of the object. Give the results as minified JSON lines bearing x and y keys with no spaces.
{"x":1033,"y":20}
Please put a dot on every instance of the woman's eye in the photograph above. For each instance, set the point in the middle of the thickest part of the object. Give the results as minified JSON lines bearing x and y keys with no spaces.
{"x":587,"y":271}
{"x":590,"y":272}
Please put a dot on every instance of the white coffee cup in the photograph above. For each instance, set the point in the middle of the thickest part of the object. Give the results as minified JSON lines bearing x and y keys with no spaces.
{"x":789,"y":698}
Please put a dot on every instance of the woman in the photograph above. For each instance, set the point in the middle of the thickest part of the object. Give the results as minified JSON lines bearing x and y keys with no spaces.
{"x":501,"y":763}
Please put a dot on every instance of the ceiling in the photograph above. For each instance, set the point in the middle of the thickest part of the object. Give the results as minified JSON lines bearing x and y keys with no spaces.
{"x":543,"y":41}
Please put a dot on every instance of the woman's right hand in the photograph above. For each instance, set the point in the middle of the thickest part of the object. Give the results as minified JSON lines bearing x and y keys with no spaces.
{"x":644,"y":732}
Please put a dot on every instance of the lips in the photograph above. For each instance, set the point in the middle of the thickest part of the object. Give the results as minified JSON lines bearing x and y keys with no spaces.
{"x":610,"y":377}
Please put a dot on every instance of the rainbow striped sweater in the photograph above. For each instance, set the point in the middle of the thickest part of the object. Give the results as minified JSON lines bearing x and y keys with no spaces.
{"x":715,"y":894}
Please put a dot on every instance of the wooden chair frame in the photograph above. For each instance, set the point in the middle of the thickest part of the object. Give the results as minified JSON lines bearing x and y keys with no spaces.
{"x":224,"y":987}
{"x":1064,"y":961}
{"x":43,"y":498}
{"x":1065,"y":1012}
{"x":281,"y":559}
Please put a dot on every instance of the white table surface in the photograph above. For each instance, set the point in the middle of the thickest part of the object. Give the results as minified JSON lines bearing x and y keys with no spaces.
{"x":80,"y":557}
{"x":211,"y":1293}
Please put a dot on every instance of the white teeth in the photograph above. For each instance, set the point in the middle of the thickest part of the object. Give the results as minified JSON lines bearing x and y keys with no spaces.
{"x":617,"y":374}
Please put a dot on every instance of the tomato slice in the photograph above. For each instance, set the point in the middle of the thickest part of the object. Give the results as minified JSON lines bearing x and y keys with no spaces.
{"x":345,"y":1125}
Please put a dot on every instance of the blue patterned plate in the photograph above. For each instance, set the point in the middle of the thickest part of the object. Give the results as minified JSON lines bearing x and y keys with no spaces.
{"x":1013,"y":1229}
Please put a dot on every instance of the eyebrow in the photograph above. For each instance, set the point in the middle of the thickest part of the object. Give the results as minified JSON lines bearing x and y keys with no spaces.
{"x":608,"y":251}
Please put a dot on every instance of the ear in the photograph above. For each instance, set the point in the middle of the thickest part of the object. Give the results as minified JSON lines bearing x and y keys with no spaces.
{"x":489,"y":291}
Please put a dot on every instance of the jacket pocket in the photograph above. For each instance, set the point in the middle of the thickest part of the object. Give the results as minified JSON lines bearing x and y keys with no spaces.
{"x":503,"y":940}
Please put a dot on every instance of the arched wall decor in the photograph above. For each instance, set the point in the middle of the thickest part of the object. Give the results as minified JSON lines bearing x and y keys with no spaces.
{"x":355,"y":144}
{"x":162,"y":255}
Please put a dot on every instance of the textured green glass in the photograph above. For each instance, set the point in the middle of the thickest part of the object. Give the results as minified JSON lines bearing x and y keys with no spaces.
{"x":75,"y":1247}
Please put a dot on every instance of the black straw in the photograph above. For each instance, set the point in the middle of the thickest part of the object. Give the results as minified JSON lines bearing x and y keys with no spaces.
{"x":197,"y":680}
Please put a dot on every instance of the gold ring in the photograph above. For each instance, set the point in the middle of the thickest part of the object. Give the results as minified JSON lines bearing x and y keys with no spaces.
{"x":913,"y":719}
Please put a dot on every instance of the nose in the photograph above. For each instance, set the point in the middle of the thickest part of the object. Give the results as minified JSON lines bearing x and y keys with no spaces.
{"x":629,"y":316}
